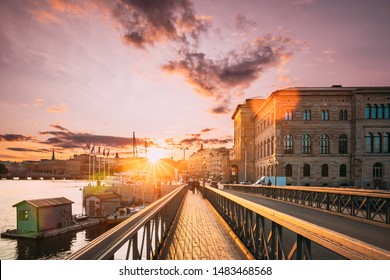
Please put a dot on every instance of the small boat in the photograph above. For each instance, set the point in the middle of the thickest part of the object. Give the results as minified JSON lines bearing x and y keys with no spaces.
{"x":15,"y":178}
{"x":28,"y":178}
{"x":122,"y":214}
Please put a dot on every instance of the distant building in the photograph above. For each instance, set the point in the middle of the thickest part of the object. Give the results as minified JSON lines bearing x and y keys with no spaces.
{"x":102,"y":204}
{"x":210,"y":163}
{"x":318,"y":136}
{"x":43,"y":214}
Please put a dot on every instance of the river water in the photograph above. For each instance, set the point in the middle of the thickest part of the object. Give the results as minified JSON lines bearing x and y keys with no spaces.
{"x":57,"y":247}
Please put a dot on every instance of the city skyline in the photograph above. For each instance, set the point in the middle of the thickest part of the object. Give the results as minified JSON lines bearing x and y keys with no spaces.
{"x":74,"y":73}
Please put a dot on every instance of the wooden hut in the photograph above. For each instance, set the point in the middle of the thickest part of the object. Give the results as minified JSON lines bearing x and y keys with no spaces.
{"x":102,"y":204}
{"x":38,"y":215}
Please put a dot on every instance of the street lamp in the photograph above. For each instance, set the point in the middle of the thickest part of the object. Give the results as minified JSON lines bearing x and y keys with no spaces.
{"x":276,"y":166}
{"x":269,"y":173}
{"x":184,"y":150}
{"x":204,"y":171}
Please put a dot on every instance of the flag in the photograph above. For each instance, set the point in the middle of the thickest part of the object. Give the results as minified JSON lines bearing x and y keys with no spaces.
{"x":108,"y":152}
{"x":93,"y":149}
{"x":98,"y":150}
{"x":87,"y":147}
{"x":104,"y":151}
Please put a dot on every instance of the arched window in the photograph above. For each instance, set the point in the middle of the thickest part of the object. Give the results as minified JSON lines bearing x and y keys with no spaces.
{"x":343,"y":144}
{"x":374,"y":111}
{"x":324,"y":144}
{"x":377,"y":171}
{"x":386,"y":143}
{"x":288,"y":170}
{"x":306,"y":144}
{"x":368,"y":111}
{"x":369,"y":142}
{"x":288,"y":144}
{"x":377,"y":143}
{"x":343,"y":170}
{"x":324,"y":170}
{"x":387,"y":111}
{"x":306,"y":170}
{"x":288,"y":116}
{"x":381,"y":111}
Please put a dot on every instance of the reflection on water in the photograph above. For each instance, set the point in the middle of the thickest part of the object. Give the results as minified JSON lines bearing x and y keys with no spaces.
{"x":56,"y":247}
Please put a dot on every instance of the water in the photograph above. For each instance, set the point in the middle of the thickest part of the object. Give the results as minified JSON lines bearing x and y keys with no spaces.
{"x":57,"y":247}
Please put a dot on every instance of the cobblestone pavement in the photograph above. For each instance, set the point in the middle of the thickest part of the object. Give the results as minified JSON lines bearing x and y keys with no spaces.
{"x":201,"y":234}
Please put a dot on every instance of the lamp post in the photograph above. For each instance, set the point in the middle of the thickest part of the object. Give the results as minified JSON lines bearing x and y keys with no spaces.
{"x":204,"y":171}
{"x":269,"y":173}
{"x":276,"y":166}
{"x":184,"y":150}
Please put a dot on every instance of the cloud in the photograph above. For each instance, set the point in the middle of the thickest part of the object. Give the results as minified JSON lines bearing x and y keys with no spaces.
{"x":29,"y":150}
{"x":15,"y":137}
{"x":158,"y":21}
{"x":196,"y":139}
{"x":228,"y":76}
{"x":66,"y":139}
{"x":59,"y":109}
{"x":244,"y":24}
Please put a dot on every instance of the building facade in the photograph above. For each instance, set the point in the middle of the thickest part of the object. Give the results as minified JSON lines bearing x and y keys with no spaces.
{"x":320,"y":136}
{"x":211,"y":164}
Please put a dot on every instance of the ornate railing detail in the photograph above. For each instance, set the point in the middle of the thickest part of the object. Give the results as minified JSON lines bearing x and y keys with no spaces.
{"x":272,"y":235}
{"x":370,"y":205}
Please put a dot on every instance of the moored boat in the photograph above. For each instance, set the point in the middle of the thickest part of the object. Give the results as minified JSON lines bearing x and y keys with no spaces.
{"x":122,"y":214}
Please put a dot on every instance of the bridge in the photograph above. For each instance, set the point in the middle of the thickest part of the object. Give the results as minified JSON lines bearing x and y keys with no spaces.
{"x":249,"y":222}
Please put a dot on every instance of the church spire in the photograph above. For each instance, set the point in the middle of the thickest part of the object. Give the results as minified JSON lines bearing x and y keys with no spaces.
{"x":52,"y":155}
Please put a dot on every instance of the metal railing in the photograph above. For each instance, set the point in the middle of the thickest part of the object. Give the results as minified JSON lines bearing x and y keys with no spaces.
{"x":139,"y":237}
{"x":367,"y":204}
{"x":265,"y":232}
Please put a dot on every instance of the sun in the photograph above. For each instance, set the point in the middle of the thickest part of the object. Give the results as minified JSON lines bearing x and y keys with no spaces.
{"x":155,"y":154}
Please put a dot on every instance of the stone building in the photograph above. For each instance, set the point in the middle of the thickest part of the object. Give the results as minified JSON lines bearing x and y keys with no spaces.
{"x":323,"y":136}
{"x":210,"y":164}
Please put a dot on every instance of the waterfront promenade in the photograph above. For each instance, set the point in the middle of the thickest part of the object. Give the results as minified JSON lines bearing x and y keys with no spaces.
{"x":201,"y":234}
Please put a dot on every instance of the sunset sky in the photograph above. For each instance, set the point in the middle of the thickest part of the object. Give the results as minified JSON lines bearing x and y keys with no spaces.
{"x":78,"y":72}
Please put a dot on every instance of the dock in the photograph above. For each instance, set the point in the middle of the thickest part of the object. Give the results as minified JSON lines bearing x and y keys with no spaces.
{"x":77,"y":226}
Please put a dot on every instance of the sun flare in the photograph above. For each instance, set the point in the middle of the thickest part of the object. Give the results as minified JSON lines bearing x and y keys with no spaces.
{"x":155,"y":154}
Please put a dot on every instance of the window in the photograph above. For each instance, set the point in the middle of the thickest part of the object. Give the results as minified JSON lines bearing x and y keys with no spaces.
{"x":324,"y":144}
{"x":377,"y":143}
{"x":386,"y":143}
{"x":377,"y":171}
{"x":343,"y":144}
{"x":288,"y":170}
{"x":307,"y":115}
{"x":374,"y":111}
{"x":306,"y":144}
{"x":306,"y":170}
{"x":324,"y":170}
{"x":369,"y":142}
{"x":23,"y":215}
{"x":387,"y":111}
{"x":381,"y":111}
{"x":343,"y":115}
{"x":325,"y":115}
{"x":343,"y":170}
{"x":288,"y":144}
{"x":368,"y":111}
{"x":288,"y":116}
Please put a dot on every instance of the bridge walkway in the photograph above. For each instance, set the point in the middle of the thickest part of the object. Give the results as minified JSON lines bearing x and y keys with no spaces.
{"x":200,"y":233}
